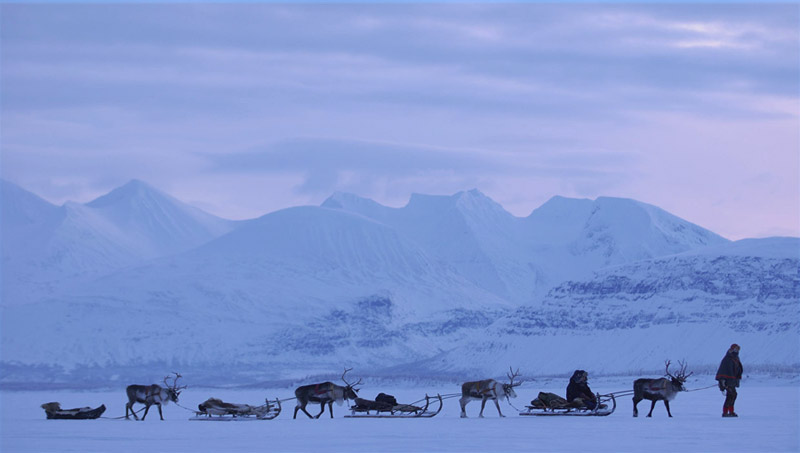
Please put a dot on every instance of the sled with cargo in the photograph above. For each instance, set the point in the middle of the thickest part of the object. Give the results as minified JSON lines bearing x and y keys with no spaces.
{"x":550,"y":404}
{"x":54,"y":412}
{"x":214,"y":409}
{"x":385,"y":406}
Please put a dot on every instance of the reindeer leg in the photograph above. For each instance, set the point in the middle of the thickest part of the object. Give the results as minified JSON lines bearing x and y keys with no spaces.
{"x":666,"y":403}
{"x":321,"y":409}
{"x":497,"y":405}
{"x":134,"y":413}
{"x":635,"y":410}
{"x":146,"y":409}
{"x":483,"y":404}
{"x":303,"y":408}
{"x":159,"y":411}
{"x":463,"y":402}
{"x":330,"y":408}
{"x":651,"y":408}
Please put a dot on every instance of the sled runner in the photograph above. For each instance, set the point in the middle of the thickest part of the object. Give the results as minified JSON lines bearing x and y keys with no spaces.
{"x":214,"y":409}
{"x":551,"y":405}
{"x":54,"y":411}
{"x":383,"y":408}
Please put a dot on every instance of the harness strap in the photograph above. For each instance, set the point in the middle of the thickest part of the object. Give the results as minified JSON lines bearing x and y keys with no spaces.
{"x":726,"y":376}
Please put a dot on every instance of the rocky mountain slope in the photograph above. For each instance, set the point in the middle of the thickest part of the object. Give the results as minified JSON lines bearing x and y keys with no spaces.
{"x":689,"y":306}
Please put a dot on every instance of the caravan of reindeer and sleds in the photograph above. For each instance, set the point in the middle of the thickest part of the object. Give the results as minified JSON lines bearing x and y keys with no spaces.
{"x":580,"y":400}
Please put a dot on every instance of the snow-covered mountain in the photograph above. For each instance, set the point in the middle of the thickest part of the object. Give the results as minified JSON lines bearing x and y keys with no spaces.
{"x":22,"y":209}
{"x":467,"y":230}
{"x":444,"y":285}
{"x":47,"y":248}
{"x":519,"y":258}
{"x":690,"y":306}
{"x":156,"y":223}
{"x":292,"y":286}
{"x":572,"y":238}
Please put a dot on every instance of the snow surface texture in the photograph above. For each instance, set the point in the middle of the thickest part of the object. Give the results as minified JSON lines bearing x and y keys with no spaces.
{"x":769,"y":417}
{"x":136,"y":284}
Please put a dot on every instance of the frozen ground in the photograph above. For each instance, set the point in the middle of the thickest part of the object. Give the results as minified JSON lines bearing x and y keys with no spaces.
{"x":768,"y":422}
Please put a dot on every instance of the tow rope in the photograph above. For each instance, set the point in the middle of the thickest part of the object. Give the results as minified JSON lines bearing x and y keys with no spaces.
{"x":508,"y":400}
{"x":631,"y":392}
{"x":186,"y":408}
{"x":124,"y":416}
{"x":710,"y":386}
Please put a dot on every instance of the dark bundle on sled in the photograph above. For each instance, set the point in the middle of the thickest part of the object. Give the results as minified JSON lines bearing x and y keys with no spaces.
{"x":54,"y":411}
{"x":549,"y":401}
{"x":382,"y":403}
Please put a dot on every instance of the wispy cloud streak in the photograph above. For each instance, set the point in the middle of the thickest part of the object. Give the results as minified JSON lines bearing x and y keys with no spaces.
{"x":536,"y":99}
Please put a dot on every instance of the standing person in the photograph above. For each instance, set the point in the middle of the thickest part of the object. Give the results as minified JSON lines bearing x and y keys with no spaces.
{"x":729,"y":374}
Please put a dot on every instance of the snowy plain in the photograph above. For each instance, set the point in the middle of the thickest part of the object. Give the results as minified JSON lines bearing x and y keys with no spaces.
{"x":769,"y":422}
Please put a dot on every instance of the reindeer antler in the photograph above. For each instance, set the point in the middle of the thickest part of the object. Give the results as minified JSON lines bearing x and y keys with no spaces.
{"x":513,"y":374}
{"x":667,"y":362}
{"x":682,"y":372}
{"x":345,"y":380}
{"x":174,"y":385}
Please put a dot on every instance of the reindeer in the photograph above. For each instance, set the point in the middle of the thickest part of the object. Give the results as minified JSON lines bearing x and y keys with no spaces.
{"x":661,"y":389}
{"x":488,"y":389}
{"x":152,"y":394}
{"x":326,"y":392}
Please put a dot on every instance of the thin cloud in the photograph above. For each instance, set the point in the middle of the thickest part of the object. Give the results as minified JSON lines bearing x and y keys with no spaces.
{"x":327,"y":163}
{"x":523,"y":101}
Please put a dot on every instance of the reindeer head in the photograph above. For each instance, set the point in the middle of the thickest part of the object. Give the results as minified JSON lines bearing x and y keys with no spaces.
{"x":350,"y":392}
{"x":172,"y":389}
{"x":680,"y":378}
{"x":508,"y":389}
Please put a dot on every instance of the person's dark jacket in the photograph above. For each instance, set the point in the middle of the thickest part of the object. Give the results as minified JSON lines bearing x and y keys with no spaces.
{"x":582,"y":391}
{"x":730,"y":370}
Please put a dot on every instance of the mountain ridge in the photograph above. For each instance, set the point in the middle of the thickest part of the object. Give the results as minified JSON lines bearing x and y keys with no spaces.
{"x":445,"y":284}
{"x":80,"y":241}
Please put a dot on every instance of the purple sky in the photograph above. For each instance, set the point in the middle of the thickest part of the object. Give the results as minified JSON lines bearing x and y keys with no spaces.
{"x":245,"y":109}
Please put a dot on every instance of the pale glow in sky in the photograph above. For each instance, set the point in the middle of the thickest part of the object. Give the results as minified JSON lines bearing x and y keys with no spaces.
{"x":248,"y":108}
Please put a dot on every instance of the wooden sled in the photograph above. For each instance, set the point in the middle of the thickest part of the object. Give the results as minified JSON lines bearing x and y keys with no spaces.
{"x":371,"y":409}
{"x":54,"y":412}
{"x":606,"y":404}
{"x":216,"y":410}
